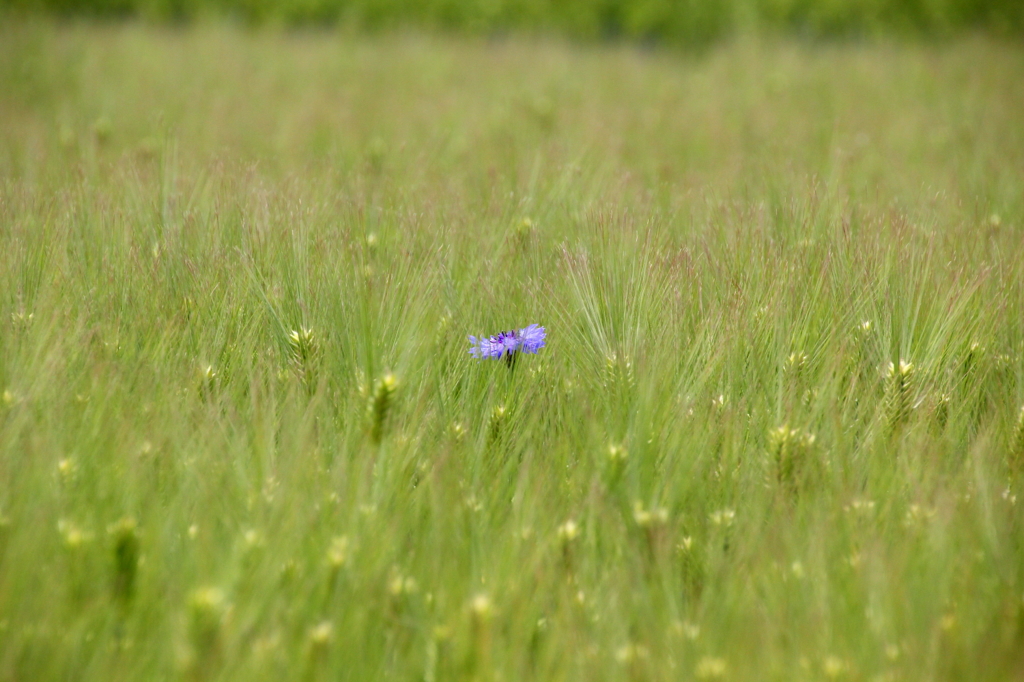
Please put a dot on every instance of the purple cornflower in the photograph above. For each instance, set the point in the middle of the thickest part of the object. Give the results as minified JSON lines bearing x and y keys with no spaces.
{"x":507,"y":344}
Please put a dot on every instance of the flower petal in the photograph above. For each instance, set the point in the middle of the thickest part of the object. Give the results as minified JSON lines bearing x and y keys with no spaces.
{"x":531,"y":339}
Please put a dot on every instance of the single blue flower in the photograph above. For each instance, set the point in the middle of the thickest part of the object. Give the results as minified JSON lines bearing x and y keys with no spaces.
{"x":531,"y":339}
{"x":507,"y":344}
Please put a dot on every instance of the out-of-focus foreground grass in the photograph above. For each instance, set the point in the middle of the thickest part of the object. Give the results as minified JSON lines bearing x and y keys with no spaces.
{"x":776,"y":432}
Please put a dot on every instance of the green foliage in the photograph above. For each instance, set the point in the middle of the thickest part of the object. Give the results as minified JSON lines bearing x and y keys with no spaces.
{"x":676,"y":22}
{"x":126,"y":559}
{"x":776,"y":432}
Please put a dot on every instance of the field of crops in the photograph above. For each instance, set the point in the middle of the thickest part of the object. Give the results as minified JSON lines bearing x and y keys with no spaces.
{"x":774,"y":433}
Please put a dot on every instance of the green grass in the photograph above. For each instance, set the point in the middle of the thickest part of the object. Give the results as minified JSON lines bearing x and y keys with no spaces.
{"x":727,"y":252}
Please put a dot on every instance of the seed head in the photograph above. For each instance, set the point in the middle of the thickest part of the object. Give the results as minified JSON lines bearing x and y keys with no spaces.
{"x":338,"y":554}
{"x":630,"y":653}
{"x":302,"y":342}
{"x":618,"y":371}
{"x":899,"y":392}
{"x":73,"y":535}
{"x":649,"y":518}
{"x":496,"y":425}
{"x":21,"y":319}
{"x":710,"y":667}
{"x":481,"y":608}
{"x":380,"y":404}
{"x":833,"y":667}
{"x":791,"y":453}
{"x":723,"y":517}
{"x":321,"y":634}
{"x":941,"y":411}
{"x":206,"y":600}
{"x":207,"y":608}
{"x":304,"y":355}
{"x":401,"y":585}
{"x":795,"y":362}
{"x":457,"y":430}
{"x":617,"y":453}
{"x":568,"y":531}
{"x":67,"y":468}
{"x":207,"y":381}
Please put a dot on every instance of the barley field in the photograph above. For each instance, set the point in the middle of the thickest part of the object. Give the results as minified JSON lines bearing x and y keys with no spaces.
{"x":775,"y":433}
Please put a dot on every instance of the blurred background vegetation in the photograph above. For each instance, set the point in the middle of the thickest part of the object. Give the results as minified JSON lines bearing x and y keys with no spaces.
{"x":674,"y":22}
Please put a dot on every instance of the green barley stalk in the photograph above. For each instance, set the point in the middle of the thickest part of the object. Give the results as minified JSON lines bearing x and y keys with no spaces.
{"x":899,"y":393}
{"x":380,"y":403}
